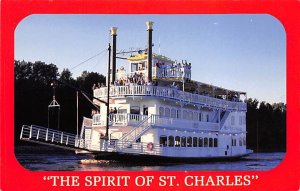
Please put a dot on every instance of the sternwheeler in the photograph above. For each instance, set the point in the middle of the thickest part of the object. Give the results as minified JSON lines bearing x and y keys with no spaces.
{"x":153,"y":110}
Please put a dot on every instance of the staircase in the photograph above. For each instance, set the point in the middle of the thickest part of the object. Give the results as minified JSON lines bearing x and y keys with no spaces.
{"x":224,"y":116}
{"x":216,"y":117}
{"x":129,"y":138}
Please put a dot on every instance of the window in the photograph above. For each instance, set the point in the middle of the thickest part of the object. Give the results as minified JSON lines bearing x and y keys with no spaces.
{"x":134,"y":110}
{"x":163,"y":141}
{"x":244,"y":141}
{"x":171,"y":141}
{"x":161,"y":111}
{"x":195,"y":116}
{"x":194,"y":141}
{"x":167,"y":112}
{"x":173,"y":113}
{"x":185,"y":114}
{"x":200,"y":143}
{"x":178,"y":114}
{"x":183,"y":141}
{"x":215,"y":142}
{"x":190,"y":117}
{"x":233,"y":142}
{"x":134,"y":67}
{"x":232,"y":120}
{"x":200,"y":116}
{"x":207,"y":118}
{"x":205,"y":142}
{"x":240,"y":142}
{"x":189,"y":141}
{"x":210,"y":142}
{"x":177,"y":141}
{"x":240,"y":120}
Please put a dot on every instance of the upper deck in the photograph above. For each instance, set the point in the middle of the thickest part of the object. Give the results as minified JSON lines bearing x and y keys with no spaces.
{"x":157,"y":76}
{"x":170,"y":93}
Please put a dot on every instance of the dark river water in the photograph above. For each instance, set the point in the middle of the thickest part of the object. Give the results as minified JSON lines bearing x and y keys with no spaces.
{"x":43,"y":158}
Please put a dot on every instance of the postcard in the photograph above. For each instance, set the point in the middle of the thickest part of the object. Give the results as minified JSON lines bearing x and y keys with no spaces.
{"x":169,"y":95}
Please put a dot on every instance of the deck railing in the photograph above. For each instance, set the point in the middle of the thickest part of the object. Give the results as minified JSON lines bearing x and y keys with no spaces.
{"x":119,"y":119}
{"x":135,"y":120}
{"x":131,"y":147}
{"x":165,"y":92}
{"x":138,"y":148}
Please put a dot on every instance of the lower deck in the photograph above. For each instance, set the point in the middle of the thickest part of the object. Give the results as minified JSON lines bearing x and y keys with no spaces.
{"x":157,"y":159}
{"x":182,"y":146}
{"x":167,"y":142}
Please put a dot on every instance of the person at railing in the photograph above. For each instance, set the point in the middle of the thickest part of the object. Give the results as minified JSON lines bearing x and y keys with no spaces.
{"x":148,"y":89}
{"x":126,"y":82}
{"x":110,"y":114}
{"x":116,"y":83}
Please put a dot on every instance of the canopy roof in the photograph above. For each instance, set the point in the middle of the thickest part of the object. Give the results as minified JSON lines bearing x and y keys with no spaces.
{"x":191,"y":85}
{"x":144,"y":56}
{"x":200,"y":87}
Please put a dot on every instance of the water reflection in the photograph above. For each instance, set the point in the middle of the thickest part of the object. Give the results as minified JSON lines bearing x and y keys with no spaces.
{"x":42,"y":158}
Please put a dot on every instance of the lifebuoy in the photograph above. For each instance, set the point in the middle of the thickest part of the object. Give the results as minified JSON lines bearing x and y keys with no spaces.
{"x":150,"y":146}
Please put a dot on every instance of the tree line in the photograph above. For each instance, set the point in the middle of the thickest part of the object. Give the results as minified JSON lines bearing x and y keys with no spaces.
{"x":266,"y":123}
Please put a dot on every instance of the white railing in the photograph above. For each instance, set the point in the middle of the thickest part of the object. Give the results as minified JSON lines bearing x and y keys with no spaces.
{"x":139,"y":90}
{"x":131,"y":147}
{"x":138,"y":148}
{"x":135,"y":120}
{"x":119,"y":119}
{"x":42,"y":134}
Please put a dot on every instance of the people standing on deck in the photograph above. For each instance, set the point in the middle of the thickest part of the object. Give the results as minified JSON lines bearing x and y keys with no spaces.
{"x":111,"y":112}
{"x":115,"y":110}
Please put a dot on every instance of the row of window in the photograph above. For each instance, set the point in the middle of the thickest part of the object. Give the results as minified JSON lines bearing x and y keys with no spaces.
{"x":189,"y":115}
{"x":242,"y":120}
{"x":178,"y":141}
{"x":196,"y":116}
{"x":242,"y":141}
{"x":185,"y":114}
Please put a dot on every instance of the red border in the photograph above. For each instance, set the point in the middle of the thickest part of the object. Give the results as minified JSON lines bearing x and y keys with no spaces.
{"x":15,"y":177}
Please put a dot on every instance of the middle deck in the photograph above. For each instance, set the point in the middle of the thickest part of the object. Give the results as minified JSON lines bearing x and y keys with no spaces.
{"x":170,"y":93}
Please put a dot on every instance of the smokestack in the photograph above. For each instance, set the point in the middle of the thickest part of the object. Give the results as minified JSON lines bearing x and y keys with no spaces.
{"x":114,"y":53}
{"x":149,"y":29}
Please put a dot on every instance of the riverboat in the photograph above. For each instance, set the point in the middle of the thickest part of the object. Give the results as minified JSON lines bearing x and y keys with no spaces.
{"x":156,"y":111}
